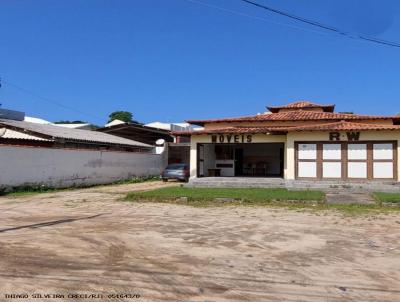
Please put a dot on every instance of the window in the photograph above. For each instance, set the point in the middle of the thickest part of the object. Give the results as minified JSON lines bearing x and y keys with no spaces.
{"x":308,"y":169}
{"x":307,"y":156}
{"x":346,"y":160}
{"x":383,"y":161}
{"x":332,"y":160}
{"x":383,"y":151}
{"x":223,"y":152}
{"x":357,"y":161}
{"x":308,"y":151}
{"x":357,"y":170}
{"x":357,"y":151}
{"x":332,"y":151}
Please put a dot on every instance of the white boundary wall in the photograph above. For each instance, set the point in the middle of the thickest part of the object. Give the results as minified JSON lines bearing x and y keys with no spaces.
{"x":70,"y":167}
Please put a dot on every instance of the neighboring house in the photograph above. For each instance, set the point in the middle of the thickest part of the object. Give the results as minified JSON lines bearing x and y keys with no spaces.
{"x":137,"y":132}
{"x":36,"y":120}
{"x":114,"y":122}
{"x":26,"y":133}
{"x":158,"y":134}
{"x":171,"y":126}
{"x":179,"y":149}
{"x":84,"y":126}
{"x":52,"y":155}
{"x":301,"y":140}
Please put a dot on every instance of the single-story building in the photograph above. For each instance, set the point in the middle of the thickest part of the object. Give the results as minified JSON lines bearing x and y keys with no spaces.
{"x":298,"y":141}
{"x":137,"y":132}
{"x":34,"y":154}
{"x":14,"y":132}
{"x":177,"y":148}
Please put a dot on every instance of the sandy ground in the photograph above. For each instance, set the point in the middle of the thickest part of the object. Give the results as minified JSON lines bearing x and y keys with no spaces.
{"x":88,"y":242}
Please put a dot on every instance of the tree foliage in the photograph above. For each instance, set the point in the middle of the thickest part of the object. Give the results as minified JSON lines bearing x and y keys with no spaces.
{"x":124,"y":116}
{"x":70,"y":122}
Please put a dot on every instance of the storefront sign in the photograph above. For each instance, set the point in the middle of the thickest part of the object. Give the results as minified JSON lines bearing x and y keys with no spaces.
{"x":231,"y":138}
{"x":351,"y":136}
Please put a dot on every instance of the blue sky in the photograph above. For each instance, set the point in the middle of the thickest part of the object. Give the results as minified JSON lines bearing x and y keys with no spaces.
{"x":172,"y":60}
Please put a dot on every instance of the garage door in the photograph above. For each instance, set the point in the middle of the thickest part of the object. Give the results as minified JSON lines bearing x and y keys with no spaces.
{"x":343,"y":160}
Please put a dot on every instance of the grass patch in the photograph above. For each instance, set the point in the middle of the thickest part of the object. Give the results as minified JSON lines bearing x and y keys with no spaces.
{"x":28,"y":190}
{"x":133,"y":180}
{"x":274,"y":198}
{"x":387,"y":197}
{"x":244,"y":195}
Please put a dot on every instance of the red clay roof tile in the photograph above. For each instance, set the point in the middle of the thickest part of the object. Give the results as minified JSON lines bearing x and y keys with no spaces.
{"x":344,"y":126}
{"x":295,"y":116}
{"x":302,"y":105}
{"x":336,"y":126}
{"x":235,"y":130}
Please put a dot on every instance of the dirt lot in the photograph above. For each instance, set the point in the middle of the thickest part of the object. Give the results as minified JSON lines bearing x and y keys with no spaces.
{"x":88,"y":242}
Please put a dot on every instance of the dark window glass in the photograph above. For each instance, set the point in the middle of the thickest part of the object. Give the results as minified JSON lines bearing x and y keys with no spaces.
{"x":176,"y":167}
{"x":224,"y":152}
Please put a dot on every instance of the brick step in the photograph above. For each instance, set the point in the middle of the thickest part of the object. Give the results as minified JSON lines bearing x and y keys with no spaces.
{"x":236,"y":182}
{"x":337,"y":186}
{"x":327,"y":186}
{"x":231,"y":185}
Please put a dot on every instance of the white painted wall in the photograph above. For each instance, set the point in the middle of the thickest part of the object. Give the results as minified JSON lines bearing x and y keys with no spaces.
{"x":291,"y":138}
{"x":68,"y":167}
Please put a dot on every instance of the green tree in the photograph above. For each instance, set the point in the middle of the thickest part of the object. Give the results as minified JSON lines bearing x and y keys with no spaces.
{"x":124,"y":116}
{"x":69,"y":122}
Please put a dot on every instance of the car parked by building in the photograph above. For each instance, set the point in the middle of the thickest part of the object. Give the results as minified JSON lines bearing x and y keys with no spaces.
{"x":176,"y":171}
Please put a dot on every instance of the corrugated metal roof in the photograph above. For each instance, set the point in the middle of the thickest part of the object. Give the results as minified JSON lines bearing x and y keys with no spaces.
{"x":8,"y":133}
{"x":35,"y":120}
{"x":84,"y":126}
{"x":52,"y":131}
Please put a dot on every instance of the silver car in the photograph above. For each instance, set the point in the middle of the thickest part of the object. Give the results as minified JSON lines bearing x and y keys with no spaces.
{"x":176,"y":171}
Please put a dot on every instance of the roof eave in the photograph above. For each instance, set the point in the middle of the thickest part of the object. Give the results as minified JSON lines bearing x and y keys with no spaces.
{"x":254,"y":119}
{"x":349,"y":129}
{"x":325,"y":108}
{"x":85,"y":142}
{"x":137,"y":126}
{"x":30,"y":132}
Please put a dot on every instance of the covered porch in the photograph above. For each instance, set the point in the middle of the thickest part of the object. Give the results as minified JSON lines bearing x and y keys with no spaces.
{"x":258,"y":160}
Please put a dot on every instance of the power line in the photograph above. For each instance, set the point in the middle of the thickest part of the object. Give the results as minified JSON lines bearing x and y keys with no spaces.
{"x":238,"y":13}
{"x":323,"y":26}
{"x":48,"y":100}
{"x":309,"y":22}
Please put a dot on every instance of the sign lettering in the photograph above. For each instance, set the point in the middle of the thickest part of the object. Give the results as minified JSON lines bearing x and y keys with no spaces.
{"x":229,"y":138}
{"x":351,"y":136}
{"x":334,"y":136}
